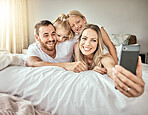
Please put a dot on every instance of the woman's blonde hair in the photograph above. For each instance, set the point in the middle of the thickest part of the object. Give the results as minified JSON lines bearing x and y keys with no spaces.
{"x":98,"y":54}
{"x":62,"y":22}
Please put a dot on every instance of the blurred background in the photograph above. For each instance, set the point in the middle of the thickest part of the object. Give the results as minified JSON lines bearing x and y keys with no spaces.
{"x":117,"y":16}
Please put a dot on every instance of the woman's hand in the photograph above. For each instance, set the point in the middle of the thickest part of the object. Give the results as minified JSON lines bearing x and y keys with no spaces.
{"x":127,"y":83}
{"x":100,"y":70}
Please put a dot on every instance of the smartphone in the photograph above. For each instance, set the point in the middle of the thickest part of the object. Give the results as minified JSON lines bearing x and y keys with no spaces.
{"x":129,"y":57}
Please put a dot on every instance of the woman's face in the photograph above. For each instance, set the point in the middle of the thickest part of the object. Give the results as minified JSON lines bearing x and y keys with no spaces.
{"x":88,"y":42}
{"x":76,"y":23}
{"x":62,"y":34}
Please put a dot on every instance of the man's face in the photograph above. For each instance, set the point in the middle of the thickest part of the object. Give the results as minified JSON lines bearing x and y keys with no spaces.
{"x":47,"y":37}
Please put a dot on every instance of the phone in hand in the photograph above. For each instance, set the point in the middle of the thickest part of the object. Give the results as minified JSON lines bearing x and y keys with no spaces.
{"x":129,"y":57}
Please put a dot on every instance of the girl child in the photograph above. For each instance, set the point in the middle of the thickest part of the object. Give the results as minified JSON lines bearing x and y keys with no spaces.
{"x":77,"y":21}
{"x":65,"y":38}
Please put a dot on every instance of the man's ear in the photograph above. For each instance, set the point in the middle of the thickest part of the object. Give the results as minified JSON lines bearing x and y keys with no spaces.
{"x":36,"y":37}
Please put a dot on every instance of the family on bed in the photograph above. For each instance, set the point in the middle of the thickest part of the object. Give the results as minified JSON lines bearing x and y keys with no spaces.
{"x":93,"y":50}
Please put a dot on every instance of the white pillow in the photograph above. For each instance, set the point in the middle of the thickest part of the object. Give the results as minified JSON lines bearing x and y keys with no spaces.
{"x":5,"y":60}
{"x":18,"y":59}
{"x":4,"y":51}
{"x":11,"y":59}
{"x":119,"y":39}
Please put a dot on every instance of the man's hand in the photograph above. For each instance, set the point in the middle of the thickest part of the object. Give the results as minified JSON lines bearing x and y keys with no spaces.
{"x":100,"y":70}
{"x":76,"y":66}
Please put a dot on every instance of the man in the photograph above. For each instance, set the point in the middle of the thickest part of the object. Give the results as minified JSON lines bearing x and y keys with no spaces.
{"x":43,"y":52}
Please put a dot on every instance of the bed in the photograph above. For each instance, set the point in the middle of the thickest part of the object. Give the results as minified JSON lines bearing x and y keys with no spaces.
{"x":60,"y":92}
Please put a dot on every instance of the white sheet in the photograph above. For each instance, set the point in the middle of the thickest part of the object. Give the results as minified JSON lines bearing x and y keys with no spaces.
{"x":67,"y":93}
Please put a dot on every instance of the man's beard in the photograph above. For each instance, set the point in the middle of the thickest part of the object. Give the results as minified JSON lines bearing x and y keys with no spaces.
{"x":44,"y":45}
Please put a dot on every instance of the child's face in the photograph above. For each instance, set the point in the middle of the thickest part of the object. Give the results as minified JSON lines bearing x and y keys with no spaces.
{"x":88,"y":42}
{"x":62,"y":34}
{"x":76,"y":23}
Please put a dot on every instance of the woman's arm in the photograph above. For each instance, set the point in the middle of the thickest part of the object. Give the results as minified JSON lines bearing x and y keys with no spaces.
{"x":108,"y":63}
{"x":109,"y":44}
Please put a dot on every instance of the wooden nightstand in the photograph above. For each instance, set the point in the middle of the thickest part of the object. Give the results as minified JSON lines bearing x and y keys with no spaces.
{"x":146,"y":58}
{"x":143,"y":57}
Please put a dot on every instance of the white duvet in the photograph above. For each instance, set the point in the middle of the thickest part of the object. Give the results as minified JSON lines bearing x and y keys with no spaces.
{"x":67,"y":93}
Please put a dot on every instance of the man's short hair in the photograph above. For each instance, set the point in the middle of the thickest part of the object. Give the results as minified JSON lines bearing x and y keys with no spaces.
{"x":40,"y":24}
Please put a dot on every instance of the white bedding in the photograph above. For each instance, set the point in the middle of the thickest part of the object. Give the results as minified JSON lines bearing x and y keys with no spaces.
{"x":63,"y":92}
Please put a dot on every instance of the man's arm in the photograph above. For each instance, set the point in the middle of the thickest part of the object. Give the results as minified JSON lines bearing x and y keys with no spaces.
{"x":34,"y":61}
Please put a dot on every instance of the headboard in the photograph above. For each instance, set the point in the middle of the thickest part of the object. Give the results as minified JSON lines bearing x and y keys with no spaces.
{"x":118,"y":39}
{"x":132,"y":39}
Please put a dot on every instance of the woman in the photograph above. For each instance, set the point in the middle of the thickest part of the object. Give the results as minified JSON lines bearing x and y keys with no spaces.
{"x":90,"y":52}
{"x":78,"y":21}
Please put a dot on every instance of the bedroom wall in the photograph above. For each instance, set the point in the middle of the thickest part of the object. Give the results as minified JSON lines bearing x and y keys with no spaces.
{"x":117,"y":16}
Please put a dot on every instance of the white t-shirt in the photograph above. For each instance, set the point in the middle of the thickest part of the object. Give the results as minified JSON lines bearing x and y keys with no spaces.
{"x":64,"y":52}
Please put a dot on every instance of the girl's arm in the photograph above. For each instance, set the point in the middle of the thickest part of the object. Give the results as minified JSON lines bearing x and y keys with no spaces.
{"x":100,"y":70}
{"x":76,"y":51}
{"x":109,"y":44}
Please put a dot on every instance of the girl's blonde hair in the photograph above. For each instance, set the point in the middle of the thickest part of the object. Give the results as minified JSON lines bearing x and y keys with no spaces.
{"x":98,"y":54}
{"x":75,"y":13}
{"x":62,"y":22}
